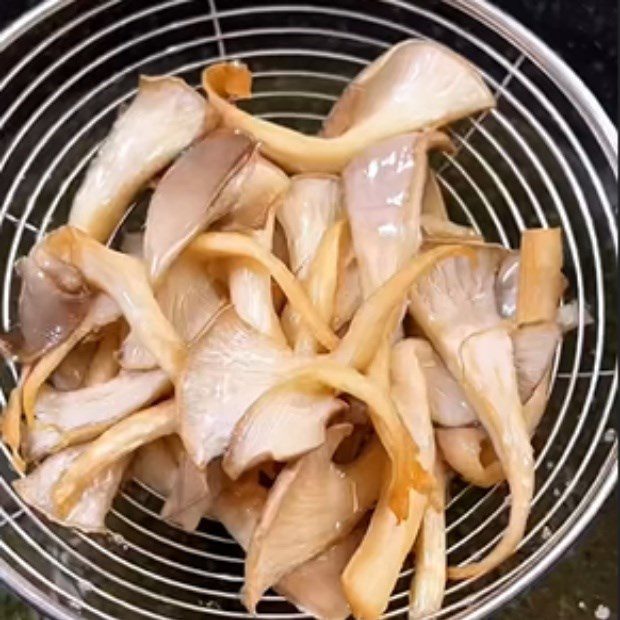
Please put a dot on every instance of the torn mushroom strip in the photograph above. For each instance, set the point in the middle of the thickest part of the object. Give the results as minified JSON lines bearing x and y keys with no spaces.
{"x":196,"y":191}
{"x":311,"y":208}
{"x":65,"y":418}
{"x":384,"y":190}
{"x":456,"y":307}
{"x":190,"y":496}
{"x":54,"y":299}
{"x":370,"y":576}
{"x":112,"y":446}
{"x":102,"y":312}
{"x":314,"y":587}
{"x":277,"y":546}
{"x":88,"y":514}
{"x":156,"y":464}
{"x":189,"y":298}
{"x":124,"y":279}
{"x":469,"y":450}
{"x":250,"y":288}
{"x":227,"y":370}
{"x":429,"y":580}
{"x":337,"y":498}
{"x":164,"y":118}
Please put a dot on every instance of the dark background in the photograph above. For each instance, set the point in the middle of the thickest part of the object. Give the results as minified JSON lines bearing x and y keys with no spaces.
{"x":584,"y":583}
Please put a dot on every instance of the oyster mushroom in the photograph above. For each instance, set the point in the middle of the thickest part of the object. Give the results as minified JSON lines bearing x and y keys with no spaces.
{"x":65,"y":418}
{"x":414,"y":85}
{"x":88,"y":514}
{"x":370,"y":576}
{"x":284,"y":537}
{"x":112,"y":446}
{"x":196,"y":191}
{"x":124,"y":279}
{"x":456,"y":307}
{"x":165,"y":117}
{"x":384,"y":189}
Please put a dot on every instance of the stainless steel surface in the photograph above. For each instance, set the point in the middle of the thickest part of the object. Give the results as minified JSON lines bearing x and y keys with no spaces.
{"x":545,"y":156}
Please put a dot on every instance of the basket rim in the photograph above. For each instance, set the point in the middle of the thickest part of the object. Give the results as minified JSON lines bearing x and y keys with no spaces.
{"x":606,"y":133}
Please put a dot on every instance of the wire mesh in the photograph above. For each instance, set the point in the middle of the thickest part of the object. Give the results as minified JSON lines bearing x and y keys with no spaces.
{"x":545,"y":156}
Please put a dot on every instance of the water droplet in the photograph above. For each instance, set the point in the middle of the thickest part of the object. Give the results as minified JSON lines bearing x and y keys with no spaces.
{"x":211,"y":604}
{"x":546,"y":533}
{"x":549,"y":464}
{"x":582,"y":605}
{"x":84,"y":587}
{"x":602,"y":613}
{"x":557,"y":492}
{"x":119,"y":540}
{"x":609,"y":436}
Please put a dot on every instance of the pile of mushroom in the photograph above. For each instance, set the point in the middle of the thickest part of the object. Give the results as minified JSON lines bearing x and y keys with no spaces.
{"x":299,"y":343}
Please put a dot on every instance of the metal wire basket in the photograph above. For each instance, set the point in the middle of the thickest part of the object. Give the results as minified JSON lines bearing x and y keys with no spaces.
{"x":545,"y":156}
